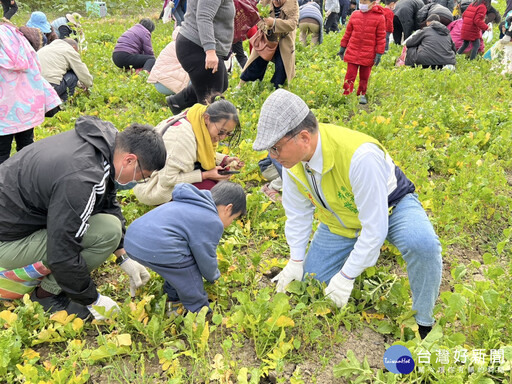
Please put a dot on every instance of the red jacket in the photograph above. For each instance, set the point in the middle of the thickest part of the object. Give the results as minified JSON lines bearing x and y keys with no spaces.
{"x":365,"y":36}
{"x":388,"y":14}
{"x":473,"y":22}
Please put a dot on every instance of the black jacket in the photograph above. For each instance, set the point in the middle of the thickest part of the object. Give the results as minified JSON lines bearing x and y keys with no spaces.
{"x":433,"y":45}
{"x":406,"y":11}
{"x":56,"y":184}
{"x":446,"y":3}
{"x":434,"y":9}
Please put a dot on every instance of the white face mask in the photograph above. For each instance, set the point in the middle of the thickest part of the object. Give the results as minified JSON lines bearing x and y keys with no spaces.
{"x":364,"y":7}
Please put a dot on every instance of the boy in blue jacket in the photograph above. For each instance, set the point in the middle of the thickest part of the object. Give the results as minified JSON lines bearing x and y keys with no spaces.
{"x":178,"y":240}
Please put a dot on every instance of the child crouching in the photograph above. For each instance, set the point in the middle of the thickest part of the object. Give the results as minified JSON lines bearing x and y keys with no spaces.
{"x":363,"y":45}
{"x":178,"y":240}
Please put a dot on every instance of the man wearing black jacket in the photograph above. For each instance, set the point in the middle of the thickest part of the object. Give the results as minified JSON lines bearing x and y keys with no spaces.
{"x":58,"y":205}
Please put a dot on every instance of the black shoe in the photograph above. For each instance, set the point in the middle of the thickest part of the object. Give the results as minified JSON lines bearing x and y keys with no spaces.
{"x":423,"y":331}
{"x":61,"y":302}
{"x":175,"y":108}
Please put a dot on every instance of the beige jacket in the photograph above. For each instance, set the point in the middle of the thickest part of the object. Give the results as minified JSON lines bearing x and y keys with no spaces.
{"x":181,"y":145}
{"x":286,"y":25}
{"x":168,"y":70}
{"x":57,"y":58}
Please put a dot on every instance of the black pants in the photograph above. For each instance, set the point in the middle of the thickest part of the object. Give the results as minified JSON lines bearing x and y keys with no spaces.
{"x":397,"y":30}
{"x":67,"y":86}
{"x":474,"y":49}
{"x":344,"y":8}
{"x":238,"y":50}
{"x":331,"y":24}
{"x":22,"y":140}
{"x":126,"y":60}
{"x":256,"y":70}
{"x":9,"y":9}
{"x":203,"y":81}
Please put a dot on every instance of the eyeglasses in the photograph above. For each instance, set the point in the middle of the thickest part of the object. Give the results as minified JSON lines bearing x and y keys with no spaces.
{"x":222,"y":132}
{"x":274,"y":151}
{"x":143,"y":177}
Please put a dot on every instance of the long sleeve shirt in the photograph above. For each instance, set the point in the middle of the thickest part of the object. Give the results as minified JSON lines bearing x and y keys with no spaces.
{"x":59,"y":57}
{"x":370,"y":170}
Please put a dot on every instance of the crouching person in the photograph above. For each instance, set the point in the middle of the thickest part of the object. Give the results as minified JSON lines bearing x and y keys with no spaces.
{"x":63,"y":68}
{"x":361,"y":197}
{"x":178,"y":240}
{"x":59,"y":215}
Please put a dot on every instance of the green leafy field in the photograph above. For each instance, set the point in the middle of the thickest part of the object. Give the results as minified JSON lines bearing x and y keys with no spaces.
{"x":451,"y":133}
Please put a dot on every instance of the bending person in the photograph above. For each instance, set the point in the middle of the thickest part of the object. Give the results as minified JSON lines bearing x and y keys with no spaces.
{"x":72,"y":178}
{"x":134,"y":48}
{"x":361,"y":199}
{"x":431,"y":47}
{"x":280,"y":26}
{"x":203,"y":42}
{"x":191,"y":139}
{"x":167,"y":74}
{"x":63,"y":67}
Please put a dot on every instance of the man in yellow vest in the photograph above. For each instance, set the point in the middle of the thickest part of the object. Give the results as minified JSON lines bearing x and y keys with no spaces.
{"x":361,"y":198}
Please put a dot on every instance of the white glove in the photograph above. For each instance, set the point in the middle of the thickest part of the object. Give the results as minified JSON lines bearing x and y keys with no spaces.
{"x":105,"y":302}
{"x":339,"y":290}
{"x":505,"y":39}
{"x":138,"y":274}
{"x":294,"y":270}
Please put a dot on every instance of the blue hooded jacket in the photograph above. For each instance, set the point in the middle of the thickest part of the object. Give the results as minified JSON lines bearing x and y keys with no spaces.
{"x":174,"y":233}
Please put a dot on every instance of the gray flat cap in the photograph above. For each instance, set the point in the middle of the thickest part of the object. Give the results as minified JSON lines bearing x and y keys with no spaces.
{"x":280,"y":113}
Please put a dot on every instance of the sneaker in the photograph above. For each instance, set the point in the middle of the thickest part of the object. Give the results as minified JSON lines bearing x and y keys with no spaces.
{"x":61,"y":302}
{"x":271,"y":193}
{"x":363,"y":100}
{"x":175,"y":108}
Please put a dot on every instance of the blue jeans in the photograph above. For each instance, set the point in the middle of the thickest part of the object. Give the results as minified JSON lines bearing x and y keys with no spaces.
{"x":412,"y":233}
{"x":163,"y":89}
{"x":179,"y":13}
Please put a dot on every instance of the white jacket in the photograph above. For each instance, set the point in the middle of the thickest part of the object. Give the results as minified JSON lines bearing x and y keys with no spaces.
{"x":332,"y":6}
{"x":181,"y":145}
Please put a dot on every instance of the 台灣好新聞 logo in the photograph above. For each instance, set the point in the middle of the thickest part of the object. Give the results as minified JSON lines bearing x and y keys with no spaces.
{"x":398,"y":359}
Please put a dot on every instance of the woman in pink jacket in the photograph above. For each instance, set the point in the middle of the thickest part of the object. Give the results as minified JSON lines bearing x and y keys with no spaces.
{"x":167,"y":74}
{"x":25,"y":96}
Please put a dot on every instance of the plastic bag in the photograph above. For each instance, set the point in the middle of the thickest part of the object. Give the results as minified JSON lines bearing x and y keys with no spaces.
{"x":487,"y":35}
{"x":167,"y":17}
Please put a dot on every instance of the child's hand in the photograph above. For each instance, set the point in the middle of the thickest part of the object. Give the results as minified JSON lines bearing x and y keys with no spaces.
{"x":341,"y":52}
{"x":377,"y":59}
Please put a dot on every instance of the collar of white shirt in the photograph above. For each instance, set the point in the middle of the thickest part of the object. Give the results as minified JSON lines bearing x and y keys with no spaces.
{"x":316,"y":162}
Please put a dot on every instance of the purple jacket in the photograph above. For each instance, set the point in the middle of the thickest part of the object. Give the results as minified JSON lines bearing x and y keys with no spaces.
{"x":136,"y":40}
